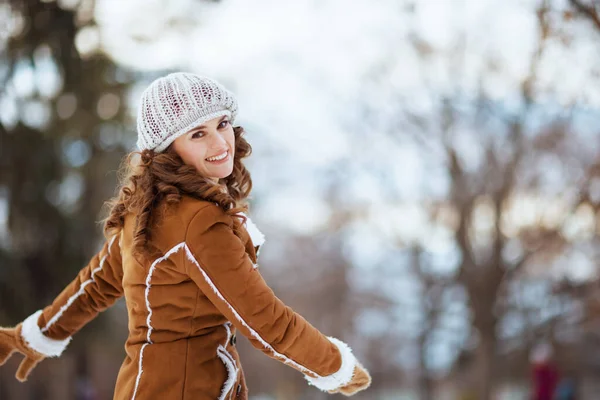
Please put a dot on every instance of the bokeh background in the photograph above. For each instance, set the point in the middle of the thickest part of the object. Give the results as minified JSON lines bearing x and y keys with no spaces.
{"x":426,"y":173}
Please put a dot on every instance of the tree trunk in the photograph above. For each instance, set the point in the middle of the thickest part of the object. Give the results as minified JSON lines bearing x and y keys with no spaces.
{"x":484,"y":364}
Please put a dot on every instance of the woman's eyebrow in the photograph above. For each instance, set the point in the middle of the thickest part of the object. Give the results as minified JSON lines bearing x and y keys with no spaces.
{"x":204,"y":126}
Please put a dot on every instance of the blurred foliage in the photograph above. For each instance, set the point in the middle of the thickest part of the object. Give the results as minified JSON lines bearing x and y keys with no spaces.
{"x":58,"y":146}
{"x":56,"y":154}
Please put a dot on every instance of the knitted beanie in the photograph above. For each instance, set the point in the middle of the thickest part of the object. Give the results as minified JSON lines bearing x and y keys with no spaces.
{"x":173,"y":104}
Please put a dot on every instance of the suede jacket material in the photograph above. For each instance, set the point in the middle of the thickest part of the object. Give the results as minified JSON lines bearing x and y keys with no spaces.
{"x":185,"y":309}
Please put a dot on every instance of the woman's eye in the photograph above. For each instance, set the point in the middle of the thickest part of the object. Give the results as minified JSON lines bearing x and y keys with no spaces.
{"x":195,"y":135}
{"x":224,"y":122}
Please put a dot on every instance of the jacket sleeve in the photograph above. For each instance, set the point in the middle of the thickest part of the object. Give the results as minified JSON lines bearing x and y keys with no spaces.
{"x":96,"y":287}
{"x":217,"y":261}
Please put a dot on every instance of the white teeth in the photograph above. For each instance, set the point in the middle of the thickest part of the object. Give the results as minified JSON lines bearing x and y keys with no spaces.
{"x":217,"y":158}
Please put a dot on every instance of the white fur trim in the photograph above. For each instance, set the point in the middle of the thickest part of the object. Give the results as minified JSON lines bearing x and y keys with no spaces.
{"x":230,"y":364}
{"x":231,"y":373}
{"x":254,"y":334}
{"x":343,"y":376}
{"x":140,"y":370}
{"x":33,"y":336}
{"x":174,"y":249}
{"x":81,"y":290}
{"x":256,"y":235}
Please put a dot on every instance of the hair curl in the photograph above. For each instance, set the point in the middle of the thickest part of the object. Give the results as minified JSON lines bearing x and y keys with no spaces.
{"x":150,"y":183}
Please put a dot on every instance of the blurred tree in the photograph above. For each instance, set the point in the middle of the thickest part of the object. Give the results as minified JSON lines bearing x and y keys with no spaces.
{"x":515,"y":172}
{"x":433,"y":289}
{"x":61,"y":132}
{"x":588,"y":9}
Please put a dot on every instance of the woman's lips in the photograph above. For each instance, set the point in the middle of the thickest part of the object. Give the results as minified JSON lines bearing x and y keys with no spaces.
{"x":222,"y":161}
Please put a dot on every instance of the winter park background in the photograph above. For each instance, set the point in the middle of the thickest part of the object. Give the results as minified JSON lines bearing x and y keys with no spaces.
{"x":426,"y":173}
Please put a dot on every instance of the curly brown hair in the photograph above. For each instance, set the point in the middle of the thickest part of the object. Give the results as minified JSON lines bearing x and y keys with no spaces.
{"x":150,"y":183}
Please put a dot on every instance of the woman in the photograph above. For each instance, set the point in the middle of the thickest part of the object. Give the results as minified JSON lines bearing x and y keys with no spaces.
{"x":182,"y":251}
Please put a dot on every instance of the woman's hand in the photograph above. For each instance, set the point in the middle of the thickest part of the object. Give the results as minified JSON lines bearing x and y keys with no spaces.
{"x":11,"y":341}
{"x":360,"y":381}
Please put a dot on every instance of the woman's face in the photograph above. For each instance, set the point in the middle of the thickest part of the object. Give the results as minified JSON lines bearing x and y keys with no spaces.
{"x":209,"y":147}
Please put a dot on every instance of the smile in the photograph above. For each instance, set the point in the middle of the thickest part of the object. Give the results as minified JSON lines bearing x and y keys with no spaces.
{"x":219,"y":157}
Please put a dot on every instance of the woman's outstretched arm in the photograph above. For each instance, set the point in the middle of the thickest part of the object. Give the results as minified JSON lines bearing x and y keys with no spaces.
{"x":47,"y":332}
{"x":96,"y":287}
{"x":217,"y":261}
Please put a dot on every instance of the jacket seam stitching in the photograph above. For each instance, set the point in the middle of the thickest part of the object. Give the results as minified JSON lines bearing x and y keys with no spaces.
{"x":187,"y":347}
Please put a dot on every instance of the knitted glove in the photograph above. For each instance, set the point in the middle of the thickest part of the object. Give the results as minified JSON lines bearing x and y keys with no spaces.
{"x":360,"y":381}
{"x":11,"y":341}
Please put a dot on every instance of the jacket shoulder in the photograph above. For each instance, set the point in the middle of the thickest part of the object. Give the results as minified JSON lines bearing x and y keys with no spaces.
{"x":198,"y":214}
{"x":189,"y":212}
{"x":204,"y":214}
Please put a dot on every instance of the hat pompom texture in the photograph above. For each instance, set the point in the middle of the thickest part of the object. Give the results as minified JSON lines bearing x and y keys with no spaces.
{"x":173,"y":104}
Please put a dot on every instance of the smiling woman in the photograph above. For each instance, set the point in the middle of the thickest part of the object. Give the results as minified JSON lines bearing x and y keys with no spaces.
{"x":210,"y":148}
{"x":183,"y":253}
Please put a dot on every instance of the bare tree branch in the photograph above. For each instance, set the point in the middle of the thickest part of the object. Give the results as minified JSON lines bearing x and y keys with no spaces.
{"x":588,"y":11}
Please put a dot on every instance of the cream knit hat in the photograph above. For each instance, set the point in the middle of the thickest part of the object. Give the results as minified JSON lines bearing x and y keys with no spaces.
{"x":173,"y":104}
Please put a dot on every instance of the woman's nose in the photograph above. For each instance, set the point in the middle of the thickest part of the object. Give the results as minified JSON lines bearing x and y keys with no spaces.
{"x":218,"y":141}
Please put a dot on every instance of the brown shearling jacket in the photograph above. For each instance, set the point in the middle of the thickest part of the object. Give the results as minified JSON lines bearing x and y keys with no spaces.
{"x":185,"y":308}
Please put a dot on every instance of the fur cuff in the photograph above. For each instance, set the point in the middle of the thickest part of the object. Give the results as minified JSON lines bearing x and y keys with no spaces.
{"x":343,"y":376}
{"x":39,"y":342}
